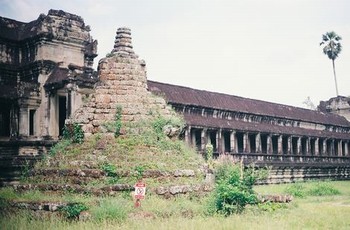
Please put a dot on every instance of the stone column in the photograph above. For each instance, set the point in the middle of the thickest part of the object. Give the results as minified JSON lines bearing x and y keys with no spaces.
{"x":280,"y":147}
{"x":340,"y":148}
{"x":298,"y":146}
{"x":233,"y":142}
{"x":203,"y":139}
{"x":346,"y":149}
{"x":324,"y":150}
{"x":307,"y":146}
{"x":289,"y":145}
{"x":332,"y":148}
{"x":246,"y":145}
{"x":23,"y":121}
{"x":193,"y":139}
{"x":269,"y":144}
{"x":221,"y":145}
{"x":317,"y":148}
{"x":188,"y":135}
{"x":69,"y":103}
{"x":258,"y":143}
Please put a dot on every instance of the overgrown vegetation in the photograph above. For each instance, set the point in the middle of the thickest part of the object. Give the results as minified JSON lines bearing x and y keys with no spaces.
{"x":234,"y":188}
{"x":317,"y":188}
{"x":310,"y":212}
{"x":73,"y":132}
{"x":145,"y":146}
{"x":73,"y":210}
{"x":118,"y":120}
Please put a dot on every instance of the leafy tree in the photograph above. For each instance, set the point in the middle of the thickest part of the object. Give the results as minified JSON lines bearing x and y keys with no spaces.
{"x":332,"y":48}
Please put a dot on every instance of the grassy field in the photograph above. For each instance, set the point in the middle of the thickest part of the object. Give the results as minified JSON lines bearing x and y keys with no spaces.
{"x":316,"y":205}
{"x":308,"y":212}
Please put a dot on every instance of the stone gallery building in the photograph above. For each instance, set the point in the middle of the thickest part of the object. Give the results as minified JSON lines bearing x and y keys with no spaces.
{"x":46,"y":77}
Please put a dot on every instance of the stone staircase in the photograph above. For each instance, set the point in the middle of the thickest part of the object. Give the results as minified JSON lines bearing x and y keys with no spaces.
{"x":17,"y":156}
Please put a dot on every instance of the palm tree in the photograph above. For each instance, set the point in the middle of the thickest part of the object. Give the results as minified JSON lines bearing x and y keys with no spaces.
{"x":332,"y":48}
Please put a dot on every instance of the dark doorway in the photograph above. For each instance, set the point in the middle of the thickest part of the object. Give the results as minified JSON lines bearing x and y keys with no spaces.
{"x":263,"y":143}
{"x":252,"y":142}
{"x":240,"y":142}
{"x":62,"y":114}
{"x":31,"y":121}
{"x":274,"y":144}
{"x":212,"y":137}
{"x":227,"y":140}
{"x":4,"y":119}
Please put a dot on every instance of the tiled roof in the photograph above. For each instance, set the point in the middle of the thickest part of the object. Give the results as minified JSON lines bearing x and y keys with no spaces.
{"x":201,"y":98}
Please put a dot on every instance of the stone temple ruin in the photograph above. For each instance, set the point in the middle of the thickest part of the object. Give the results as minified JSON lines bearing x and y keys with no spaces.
{"x":47,"y":79}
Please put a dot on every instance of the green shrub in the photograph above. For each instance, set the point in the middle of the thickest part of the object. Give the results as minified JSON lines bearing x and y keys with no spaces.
{"x":323,"y":189}
{"x":271,"y":206}
{"x":73,"y":210}
{"x":73,"y":132}
{"x":118,"y":121}
{"x":109,"y":169}
{"x":139,"y":171}
{"x":209,"y":149}
{"x":296,"y":190}
{"x":234,"y":188}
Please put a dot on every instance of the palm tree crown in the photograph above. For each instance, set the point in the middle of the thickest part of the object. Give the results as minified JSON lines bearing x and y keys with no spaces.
{"x":332,"y":48}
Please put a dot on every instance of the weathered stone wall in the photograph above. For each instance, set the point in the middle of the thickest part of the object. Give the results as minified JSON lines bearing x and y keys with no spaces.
{"x":123,"y":83}
{"x":339,"y":105}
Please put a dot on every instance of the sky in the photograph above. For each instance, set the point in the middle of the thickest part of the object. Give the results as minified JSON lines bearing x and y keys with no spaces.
{"x":261,"y":49}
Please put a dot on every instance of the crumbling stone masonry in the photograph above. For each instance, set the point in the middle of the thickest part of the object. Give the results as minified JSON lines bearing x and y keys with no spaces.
{"x":123,"y":83}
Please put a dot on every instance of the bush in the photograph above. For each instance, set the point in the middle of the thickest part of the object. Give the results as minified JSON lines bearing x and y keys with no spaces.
{"x":109,"y":169}
{"x":234,"y":188}
{"x":323,"y":189}
{"x":73,"y":210}
{"x":296,"y":190}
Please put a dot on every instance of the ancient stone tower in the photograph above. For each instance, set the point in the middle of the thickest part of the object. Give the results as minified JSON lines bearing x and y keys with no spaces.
{"x":123,"y":83}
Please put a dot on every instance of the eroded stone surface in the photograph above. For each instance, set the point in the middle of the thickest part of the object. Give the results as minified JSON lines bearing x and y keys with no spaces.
{"x":123,"y":83}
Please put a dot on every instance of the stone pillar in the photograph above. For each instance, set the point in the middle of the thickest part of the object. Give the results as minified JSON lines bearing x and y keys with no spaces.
{"x":298,"y":146}
{"x":269,"y":144}
{"x":23,"y":121}
{"x":188,"y":135}
{"x":307,"y":146}
{"x":258,"y":143}
{"x":217,"y":141}
{"x":324,"y":151}
{"x":280,"y":147}
{"x":332,"y":148}
{"x":203,"y":139}
{"x":233,"y":142}
{"x":193,"y":139}
{"x":346,"y":149}
{"x":13,"y":121}
{"x":246,"y":144}
{"x":69,"y":103}
{"x":289,"y":145}
{"x":340,"y":148}
{"x":317,"y":148}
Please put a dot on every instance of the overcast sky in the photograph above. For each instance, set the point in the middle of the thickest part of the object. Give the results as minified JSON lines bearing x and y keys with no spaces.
{"x":260,"y":49}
